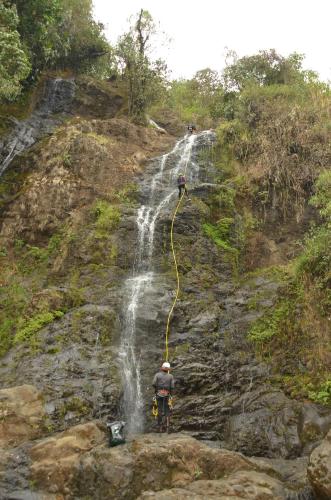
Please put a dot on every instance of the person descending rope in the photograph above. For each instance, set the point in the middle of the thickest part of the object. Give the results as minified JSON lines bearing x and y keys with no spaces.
{"x":191,"y":128}
{"x":181,"y":183}
{"x":164,"y":385}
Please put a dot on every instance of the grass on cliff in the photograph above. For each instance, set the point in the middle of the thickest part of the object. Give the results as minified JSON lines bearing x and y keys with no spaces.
{"x":107,"y":217}
{"x":31,"y":326}
{"x":27,"y":270}
{"x":229,"y":221}
{"x":294,"y":337}
{"x":296,"y":333}
{"x":279,"y":137}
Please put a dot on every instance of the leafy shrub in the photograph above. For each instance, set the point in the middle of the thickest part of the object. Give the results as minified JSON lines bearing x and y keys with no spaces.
{"x":220,"y":233}
{"x":316,"y":257}
{"x":323,"y":394}
{"x":107,"y":217}
{"x":6,"y":328}
{"x":128,"y":193}
{"x":315,"y":261}
{"x":37,"y":253}
{"x":33,"y":325}
{"x":322,"y":197}
{"x":271,"y":324}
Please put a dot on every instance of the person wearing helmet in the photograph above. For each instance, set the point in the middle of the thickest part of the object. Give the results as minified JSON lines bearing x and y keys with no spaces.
{"x":191,"y":128}
{"x":164,"y":385}
{"x":181,"y":183}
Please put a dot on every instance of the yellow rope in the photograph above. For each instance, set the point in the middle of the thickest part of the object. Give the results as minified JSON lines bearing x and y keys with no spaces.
{"x":176,"y":269}
{"x":177,"y":276}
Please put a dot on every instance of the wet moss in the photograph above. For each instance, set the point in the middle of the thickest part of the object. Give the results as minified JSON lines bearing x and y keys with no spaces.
{"x":77,"y":405}
{"x":30,"y":327}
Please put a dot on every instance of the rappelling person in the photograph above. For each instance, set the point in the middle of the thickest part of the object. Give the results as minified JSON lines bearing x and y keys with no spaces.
{"x":191,"y":128}
{"x":164,"y":385}
{"x":181,"y":183}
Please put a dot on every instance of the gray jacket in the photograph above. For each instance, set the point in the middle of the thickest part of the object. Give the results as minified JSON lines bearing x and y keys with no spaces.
{"x":164,"y":380}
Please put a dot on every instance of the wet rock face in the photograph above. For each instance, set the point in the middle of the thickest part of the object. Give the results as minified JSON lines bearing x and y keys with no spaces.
{"x":75,"y":369}
{"x":222,"y":393}
{"x":83,"y":161}
{"x":319,"y":469}
{"x":57,"y":97}
{"x":221,"y":389}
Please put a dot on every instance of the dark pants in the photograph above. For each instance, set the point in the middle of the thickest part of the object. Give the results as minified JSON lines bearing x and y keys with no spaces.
{"x":180,"y":188}
{"x":163,"y":408}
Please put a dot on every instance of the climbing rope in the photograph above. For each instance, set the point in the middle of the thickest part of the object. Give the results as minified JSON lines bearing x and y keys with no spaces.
{"x":176,"y":269}
{"x":177,"y":277}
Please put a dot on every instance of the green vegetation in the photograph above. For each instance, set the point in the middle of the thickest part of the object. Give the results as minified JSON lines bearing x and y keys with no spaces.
{"x":33,"y":325}
{"x":25,"y":269}
{"x":278,"y":322}
{"x":50,"y":34}
{"x":220,"y":233}
{"x":128,"y":194}
{"x":14,"y":61}
{"x":273,"y":153}
{"x":295,"y":334}
{"x":145,"y":78}
{"x":199,"y":100}
{"x":314,"y":264}
{"x":13,"y":300}
{"x":266,"y":68}
{"x":107,"y":218}
{"x":76,"y":405}
{"x":323,"y":394}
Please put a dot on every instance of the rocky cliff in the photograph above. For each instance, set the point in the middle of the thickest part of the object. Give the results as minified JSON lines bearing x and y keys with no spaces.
{"x":86,"y":285}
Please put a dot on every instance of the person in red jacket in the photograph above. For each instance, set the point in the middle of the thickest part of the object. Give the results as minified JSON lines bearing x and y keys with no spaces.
{"x":181,"y":183}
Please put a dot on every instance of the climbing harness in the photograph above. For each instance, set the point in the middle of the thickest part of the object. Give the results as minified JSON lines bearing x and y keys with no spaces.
{"x":177,"y":277}
{"x":155,"y":410}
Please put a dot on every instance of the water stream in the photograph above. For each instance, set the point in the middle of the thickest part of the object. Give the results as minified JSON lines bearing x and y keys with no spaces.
{"x":56,"y":99}
{"x":160,"y":194}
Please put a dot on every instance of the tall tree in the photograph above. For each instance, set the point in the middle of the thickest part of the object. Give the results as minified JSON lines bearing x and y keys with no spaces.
{"x":83,"y":36}
{"x":14,"y":63}
{"x":60,"y":33}
{"x":267,"y":67}
{"x":145,"y":78}
{"x":39,"y":22}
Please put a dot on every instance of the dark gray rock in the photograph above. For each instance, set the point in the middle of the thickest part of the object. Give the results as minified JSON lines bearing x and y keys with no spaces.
{"x":55,"y":101}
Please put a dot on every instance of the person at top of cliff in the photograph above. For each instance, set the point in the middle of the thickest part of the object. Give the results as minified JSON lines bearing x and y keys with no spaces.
{"x":191,"y":128}
{"x":164,"y":385}
{"x":181,"y":183}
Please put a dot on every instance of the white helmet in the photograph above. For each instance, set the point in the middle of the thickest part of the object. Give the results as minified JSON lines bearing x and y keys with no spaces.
{"x":166,"y":365}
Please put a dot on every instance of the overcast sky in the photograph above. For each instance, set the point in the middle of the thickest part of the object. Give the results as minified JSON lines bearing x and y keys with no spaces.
{"x":200,"y":30}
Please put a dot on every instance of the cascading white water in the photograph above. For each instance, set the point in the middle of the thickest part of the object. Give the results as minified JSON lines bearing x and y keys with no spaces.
{"x":132,"y":393}
{"x":162,"y":188}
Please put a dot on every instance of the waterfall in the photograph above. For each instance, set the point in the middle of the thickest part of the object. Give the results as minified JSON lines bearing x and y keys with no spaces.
{"x":161,"y":190}
{"x":56,"y":98}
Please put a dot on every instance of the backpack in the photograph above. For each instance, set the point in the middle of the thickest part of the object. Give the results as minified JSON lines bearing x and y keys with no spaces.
{"x":116,"y":435}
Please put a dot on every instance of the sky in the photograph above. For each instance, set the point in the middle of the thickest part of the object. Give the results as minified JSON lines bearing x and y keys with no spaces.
{"x":201,"y":31}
